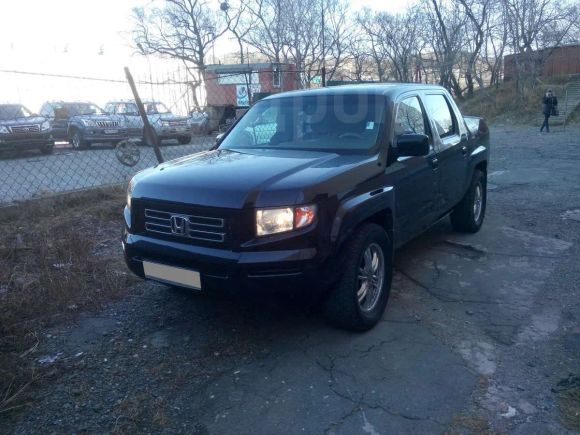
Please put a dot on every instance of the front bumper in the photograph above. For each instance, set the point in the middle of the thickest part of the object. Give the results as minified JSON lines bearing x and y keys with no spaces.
{"x":25,"y":141}
{"x":99,"y":135}
{"x":292,"y":269}
{"x":165,"y":133}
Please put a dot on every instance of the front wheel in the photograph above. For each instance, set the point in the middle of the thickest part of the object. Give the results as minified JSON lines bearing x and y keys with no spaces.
{"x":77,"y":141}
{"x":47,"y":149}
{"x":467,"y":216}
{"x":358,"y":300}
{"x":184,"y":140}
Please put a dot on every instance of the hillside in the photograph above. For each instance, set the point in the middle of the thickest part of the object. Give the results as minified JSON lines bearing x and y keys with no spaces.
{"x":501,"y":103}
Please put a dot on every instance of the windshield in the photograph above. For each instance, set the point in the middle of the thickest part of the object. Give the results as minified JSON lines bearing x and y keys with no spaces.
{"x":153,"y":108}
{"x":13,"y":111}
{"x":127,"y":109}
{"x":327,"y":122}
{"x":74,"y":109}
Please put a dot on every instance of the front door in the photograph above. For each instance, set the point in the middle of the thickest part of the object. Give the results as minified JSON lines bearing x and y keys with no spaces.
{"x":416,"y":178}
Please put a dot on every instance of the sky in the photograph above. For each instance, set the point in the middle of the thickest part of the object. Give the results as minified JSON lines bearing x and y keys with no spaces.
{"x":89,"y":38}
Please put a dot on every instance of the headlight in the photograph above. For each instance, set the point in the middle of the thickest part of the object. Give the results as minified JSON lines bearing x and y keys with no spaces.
{"x":45,"y":126}
{"x":130,"y":192}
{"x":279,"y":220}
{"x":88,"y":123}
{"x":4,"y":129}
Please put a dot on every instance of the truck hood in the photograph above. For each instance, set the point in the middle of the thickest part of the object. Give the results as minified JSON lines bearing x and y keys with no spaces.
{"x":23,"y":121}
{"x":253,"y":177}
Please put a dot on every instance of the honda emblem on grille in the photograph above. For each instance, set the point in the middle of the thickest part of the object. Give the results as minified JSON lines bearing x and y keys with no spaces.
{"x":178,"y":225}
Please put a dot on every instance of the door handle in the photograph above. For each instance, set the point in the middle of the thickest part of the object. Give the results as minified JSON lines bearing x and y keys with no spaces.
{"x":435,"y":162}
{"x":464,"y":150}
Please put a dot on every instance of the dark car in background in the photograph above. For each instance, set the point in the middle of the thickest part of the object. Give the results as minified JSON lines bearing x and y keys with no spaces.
{"x":166,"y":124}
{"x":199,"y":122}
{"x":83,"y":123}
{"x":20,"y":129}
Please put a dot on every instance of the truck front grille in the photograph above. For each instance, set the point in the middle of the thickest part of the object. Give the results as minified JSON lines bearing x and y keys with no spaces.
{"x":24,"y":129}
{"x":209,"y":229}
{"x":107,"y":124}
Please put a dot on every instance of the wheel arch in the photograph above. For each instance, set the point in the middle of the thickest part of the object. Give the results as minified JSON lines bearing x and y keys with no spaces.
{"x":371,"y":207}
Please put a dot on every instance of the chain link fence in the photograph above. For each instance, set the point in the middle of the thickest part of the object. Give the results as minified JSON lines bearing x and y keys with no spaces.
{"x":71,"y":143}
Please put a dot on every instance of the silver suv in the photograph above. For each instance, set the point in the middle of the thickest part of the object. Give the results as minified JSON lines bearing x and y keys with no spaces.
{"x":166,"y":124}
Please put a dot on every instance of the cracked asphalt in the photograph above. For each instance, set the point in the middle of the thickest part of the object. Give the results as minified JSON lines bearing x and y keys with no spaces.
{"x":478,"y":332}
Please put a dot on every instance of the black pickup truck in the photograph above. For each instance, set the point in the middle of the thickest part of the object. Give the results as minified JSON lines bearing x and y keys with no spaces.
{"x":312,"y":190}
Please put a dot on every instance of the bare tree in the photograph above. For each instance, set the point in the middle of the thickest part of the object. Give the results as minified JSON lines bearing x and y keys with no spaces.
{"x":496,"y":31}
{"x":269,"y":32}
{"x":401,"y":37}
{"x":373,"y":41}
{"x":477,"y":12}
{"x":447,"y":24}
{"x":183,"y":29}
{"x":238,"y":21}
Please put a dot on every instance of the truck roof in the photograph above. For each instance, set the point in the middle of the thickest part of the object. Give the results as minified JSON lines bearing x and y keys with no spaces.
{"x":385,"y":89}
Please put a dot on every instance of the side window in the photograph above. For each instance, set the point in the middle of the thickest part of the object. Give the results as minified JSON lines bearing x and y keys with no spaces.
{"x":409,"y":119}
{"x":60,"y":112}
{"x":441,"y":114}
{"x":45,"y":111}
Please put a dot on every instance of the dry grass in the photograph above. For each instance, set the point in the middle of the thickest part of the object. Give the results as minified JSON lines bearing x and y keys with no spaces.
{"x":568,"y":393}
{"x":58,"y":257}
{"x":504,"y":105}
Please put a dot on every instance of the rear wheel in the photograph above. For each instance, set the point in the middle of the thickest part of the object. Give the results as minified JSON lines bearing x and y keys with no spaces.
{"x":358,"y":300}
{"x":468,"y":215}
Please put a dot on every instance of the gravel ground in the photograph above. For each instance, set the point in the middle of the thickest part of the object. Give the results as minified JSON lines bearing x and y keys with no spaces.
{"x":25,"y":175}
{"x":481,"y":335}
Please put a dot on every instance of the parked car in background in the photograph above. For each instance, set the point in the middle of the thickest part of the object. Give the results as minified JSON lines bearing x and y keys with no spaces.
{"x":83,"y":123}
{"x":166,"y":125}
{"x":20,"y":129}
{"x":312,"y":190}
{"x":199,"y":122}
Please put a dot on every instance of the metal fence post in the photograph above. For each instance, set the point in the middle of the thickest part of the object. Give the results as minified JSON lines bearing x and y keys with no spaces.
{"x":148,"y":131}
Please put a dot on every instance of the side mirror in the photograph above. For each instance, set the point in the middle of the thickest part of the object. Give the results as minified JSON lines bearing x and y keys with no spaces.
{"x":411,"y":145}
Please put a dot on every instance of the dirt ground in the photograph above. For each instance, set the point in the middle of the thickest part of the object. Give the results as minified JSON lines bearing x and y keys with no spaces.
{"x":481,"y":335}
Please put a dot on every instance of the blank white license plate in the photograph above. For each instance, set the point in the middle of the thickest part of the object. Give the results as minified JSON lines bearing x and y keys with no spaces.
{"x":111,"y":131}
{"x":172,"y":275}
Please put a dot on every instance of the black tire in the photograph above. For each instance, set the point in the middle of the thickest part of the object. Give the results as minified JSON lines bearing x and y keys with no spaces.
{"x":46,"y":149}
{"x":184,"y":140}
{"x":77,"y":141}
{"x":463,"y":216}
{"x":342,"y":307}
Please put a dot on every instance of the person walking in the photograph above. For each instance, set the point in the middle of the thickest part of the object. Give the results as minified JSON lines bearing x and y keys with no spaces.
{"x":549,"y":108}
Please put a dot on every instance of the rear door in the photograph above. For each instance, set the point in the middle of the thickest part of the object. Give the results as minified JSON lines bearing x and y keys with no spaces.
{"x":48,"y":112}
{"x":416,"y":178}
{"x":451,"y":142}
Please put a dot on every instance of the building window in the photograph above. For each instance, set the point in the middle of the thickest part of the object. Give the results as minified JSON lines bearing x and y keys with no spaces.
{"x":276,"y":75}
